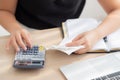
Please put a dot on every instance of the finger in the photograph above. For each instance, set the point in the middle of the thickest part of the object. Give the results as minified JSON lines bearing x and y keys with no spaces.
{"x":76,"y":43}
{"x":30,"y":38}
{"x":78,"y":37}
{"x":15,"y":45}
{"x":83,"y":50}
{"x":27,"y":39}
{"x":20,"y":41}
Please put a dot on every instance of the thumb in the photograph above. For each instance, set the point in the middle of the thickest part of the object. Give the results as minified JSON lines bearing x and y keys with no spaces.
{"x":76,"y":43}
{"x":78,"y":37}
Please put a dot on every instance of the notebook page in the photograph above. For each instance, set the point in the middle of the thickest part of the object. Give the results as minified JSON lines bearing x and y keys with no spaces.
{"x":100,"y":45}
{"x":93,"y":68}
{"x":74,"y":27}
{"x":114,"y":40}
{"x":80,"y":25}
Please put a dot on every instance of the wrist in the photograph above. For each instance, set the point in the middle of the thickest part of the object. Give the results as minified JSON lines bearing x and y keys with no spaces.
{"x":99,"y":35}
{"x":15,"y":27}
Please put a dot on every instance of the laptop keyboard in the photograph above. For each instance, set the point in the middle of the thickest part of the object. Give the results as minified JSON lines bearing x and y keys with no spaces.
{"x":112,"y":76}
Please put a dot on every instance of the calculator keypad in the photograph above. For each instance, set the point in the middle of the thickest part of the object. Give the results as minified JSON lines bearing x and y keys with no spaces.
{"x":32,"y":56}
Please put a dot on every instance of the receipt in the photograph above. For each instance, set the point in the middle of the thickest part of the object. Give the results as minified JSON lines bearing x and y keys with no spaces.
{"x":67,"y":50}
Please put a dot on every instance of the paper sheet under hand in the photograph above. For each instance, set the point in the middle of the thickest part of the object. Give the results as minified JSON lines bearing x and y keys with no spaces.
{"x":71,"y":28}
{"x":67,"y":50}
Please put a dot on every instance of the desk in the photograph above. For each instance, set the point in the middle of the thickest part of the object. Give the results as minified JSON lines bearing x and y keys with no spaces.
{"x":54,"y":59}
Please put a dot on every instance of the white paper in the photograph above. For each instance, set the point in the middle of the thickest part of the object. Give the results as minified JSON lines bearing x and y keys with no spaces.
{"x":80,"y":25}
{"x":67,"y":50}
{"x":74,"y":27}
{"x":63,"y":48}
{"x":114,"y":39}
{"x":100,"y":45}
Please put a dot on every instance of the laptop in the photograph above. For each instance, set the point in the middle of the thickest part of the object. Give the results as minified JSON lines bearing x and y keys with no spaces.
{"x":105,"y":67}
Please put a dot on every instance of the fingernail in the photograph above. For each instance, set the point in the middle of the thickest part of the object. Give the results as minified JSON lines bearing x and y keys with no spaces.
{"x":18,"y":49}
{"x":25,"y":48}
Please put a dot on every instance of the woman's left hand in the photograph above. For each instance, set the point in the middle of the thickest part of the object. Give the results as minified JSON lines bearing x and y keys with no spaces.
{"x":87,"y":39}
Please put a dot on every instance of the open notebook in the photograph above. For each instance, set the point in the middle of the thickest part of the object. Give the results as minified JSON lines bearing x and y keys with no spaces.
{"x":100,"y":68}
{"x":73,"y":27}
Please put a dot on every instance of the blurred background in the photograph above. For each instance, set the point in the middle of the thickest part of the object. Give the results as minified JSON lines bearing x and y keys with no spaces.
{"x":92,"y":9}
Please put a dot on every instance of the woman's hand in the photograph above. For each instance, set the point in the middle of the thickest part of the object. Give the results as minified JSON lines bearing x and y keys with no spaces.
{"x":87,"y":39}
{"x":19,"y":38}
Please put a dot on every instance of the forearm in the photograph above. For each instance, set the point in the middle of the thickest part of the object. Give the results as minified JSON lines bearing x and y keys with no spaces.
{"x":110,"y":24}
{"x":8,"y":21}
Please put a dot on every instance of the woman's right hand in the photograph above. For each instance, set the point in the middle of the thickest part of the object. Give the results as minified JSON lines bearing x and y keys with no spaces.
{"x":19,"y":38}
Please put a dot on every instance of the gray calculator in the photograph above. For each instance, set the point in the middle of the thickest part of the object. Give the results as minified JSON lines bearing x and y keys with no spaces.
{"x":31,"y":58}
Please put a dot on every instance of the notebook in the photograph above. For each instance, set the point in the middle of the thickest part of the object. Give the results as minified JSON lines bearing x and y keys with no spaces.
{"x":73,"y":27}
{"x":105,"y":67}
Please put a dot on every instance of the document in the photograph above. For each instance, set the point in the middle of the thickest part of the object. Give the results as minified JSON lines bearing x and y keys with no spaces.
{"x":74,"y":27}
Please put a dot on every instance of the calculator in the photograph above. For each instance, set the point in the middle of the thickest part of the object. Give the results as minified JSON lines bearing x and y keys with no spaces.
{"x":31,"y":58}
